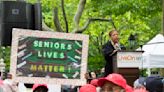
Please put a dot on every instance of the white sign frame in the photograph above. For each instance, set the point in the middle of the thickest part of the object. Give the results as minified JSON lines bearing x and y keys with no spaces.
{"x":46,"y":34}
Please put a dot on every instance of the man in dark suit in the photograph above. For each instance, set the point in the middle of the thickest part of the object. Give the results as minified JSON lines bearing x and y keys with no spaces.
{"x":109,"y":50}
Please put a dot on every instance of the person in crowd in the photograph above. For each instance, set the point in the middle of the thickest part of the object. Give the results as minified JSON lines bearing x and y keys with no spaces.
{"x":109,"y":49}
{"x":9,"y":85}
{"x":94,"y":82}
{"x":87,"y":88}
{"x":93,"y":75}
{"x":101,"y":73}
{"x":114,"y":83}
{"x":149,"y":84}
{"x":154,"y":84}
{"x":142,"y":89}
{"x":40,"y":88}
{"x":139,"y":85}
{"x":88,"y":77}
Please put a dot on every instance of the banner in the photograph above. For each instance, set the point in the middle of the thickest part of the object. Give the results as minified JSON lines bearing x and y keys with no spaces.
{"x":49,"y":57}
{"x":129,"y":59}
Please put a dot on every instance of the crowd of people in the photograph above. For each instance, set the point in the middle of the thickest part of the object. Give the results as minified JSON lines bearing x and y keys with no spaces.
{"x":115,"y":82}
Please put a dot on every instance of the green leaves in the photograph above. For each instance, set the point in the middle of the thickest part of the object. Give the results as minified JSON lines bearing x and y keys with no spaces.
{"x":140,"y":17}
{"x":5,"y":55}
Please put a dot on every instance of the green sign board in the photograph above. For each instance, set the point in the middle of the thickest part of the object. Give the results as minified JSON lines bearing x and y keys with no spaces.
{"x":49,"y":55}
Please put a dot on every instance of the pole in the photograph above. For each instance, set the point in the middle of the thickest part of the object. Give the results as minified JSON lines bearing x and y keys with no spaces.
{"x":162,"y":69}
{"x":163,"y":17}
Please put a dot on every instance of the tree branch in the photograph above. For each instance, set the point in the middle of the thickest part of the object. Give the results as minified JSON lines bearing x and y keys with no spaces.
{"x":56,"y":20}
{"x":21,"y":0}
{"x":64,"y":15}
{"x":89,"y":21}
{"x":45,"y":27}
{"x":79,"y":12}
{"x":113,"y":24}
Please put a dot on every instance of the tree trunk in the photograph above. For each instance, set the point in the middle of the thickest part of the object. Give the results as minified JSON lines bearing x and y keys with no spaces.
{"x":79,"y":14}
{"x":56,"y":21}
{"x":64,"y":15}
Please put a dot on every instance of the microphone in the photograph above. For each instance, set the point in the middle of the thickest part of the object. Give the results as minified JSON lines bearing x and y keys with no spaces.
{"x":117,"y":46}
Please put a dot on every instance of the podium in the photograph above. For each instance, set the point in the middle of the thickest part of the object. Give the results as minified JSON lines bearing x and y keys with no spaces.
{"x":127,"y":63}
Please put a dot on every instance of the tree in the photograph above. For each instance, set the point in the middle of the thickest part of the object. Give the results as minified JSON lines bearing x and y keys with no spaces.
{"x":139,"y":17}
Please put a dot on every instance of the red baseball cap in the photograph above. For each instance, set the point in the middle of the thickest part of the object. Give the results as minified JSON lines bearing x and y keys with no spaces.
{"x":94,"y":82}
{"x":87,"y":88}
{"x":37,"y":85}
{"x":114,"y":78}
{"x":129,"y":88}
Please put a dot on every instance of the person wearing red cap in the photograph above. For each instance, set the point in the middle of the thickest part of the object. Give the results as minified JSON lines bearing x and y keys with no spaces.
{"x":87,"y":88}
{"x":94,"y":82}
{"x":40,"y":88}
{"x":114,"y":82}
{"x":129,"y":89}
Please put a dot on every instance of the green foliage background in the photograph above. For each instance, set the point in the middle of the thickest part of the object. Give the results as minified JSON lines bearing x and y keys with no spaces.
{"x":142,"y":18}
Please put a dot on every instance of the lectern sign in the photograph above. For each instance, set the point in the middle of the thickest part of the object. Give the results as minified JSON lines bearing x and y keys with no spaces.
{"x":129,"y":59}
{"x":59,"y":58}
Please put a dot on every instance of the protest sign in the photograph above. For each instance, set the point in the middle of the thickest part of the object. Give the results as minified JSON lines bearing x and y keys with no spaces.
{"x":49,"y":57}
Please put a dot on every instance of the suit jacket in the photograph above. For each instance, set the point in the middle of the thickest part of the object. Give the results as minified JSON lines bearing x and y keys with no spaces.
{"x":107,"y":50}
